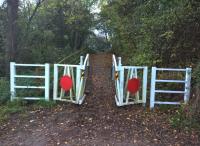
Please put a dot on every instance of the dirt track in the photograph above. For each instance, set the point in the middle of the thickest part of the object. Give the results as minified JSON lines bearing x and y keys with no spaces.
{"x":98,"y":122}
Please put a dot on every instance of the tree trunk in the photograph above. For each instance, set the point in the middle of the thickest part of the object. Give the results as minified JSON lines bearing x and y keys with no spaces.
{"x":11,"y":48}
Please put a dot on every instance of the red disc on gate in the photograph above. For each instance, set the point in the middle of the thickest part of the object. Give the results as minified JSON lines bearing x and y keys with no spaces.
{"x":66,"y":83}
{"x":133,"y":85}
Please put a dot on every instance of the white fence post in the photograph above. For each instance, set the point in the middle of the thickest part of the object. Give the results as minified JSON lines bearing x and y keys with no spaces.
{"x":187,"y":85}
{"x":121,"y":81}
{"x":78,"y":79}
{"x":47,"y":81}
{"x":153,"y":84}
{"x":144,"y":88}
{"x":121,"y":77}
{"x":12,"y":80}
{"x":78,"y":71}
{"x":55,"y":82}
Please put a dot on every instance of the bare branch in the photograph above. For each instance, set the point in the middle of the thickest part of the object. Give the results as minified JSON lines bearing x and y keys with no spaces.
{"x":39,"y":2}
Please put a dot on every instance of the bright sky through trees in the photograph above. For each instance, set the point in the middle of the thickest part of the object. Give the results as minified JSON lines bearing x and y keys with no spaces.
{"x":1,"y":1}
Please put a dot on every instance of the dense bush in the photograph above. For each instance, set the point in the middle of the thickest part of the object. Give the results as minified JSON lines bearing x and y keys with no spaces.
{"x":194,"y":111}
{"x":4,"y":90}
{"x":196,"y":76}
{"x":188,"y":116}
{"x":157,"y":32}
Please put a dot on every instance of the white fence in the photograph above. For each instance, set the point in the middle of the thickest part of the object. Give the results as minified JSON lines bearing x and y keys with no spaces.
{"x":123,"y":97}
{"x":154,"y":80}
{"x":78,"y":76}
{"x":14,"y":76}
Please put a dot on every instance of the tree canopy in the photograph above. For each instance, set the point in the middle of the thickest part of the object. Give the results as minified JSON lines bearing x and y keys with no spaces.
{"x":156,"y":32}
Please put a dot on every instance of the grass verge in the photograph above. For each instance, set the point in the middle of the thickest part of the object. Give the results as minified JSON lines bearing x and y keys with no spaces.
{"x":21,"y":107}
{"x":10,"y":108}
{"x":181,"y":120}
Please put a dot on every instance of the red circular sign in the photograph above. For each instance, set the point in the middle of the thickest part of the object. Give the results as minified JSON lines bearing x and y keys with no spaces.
{"x":66,"y":83}
{"x":133,"y":85}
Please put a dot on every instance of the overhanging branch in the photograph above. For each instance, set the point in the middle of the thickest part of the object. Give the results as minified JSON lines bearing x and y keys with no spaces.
{"x":39,"y":2}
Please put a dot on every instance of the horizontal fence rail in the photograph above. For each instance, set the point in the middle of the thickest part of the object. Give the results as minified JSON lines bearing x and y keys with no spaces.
{"x":123,"y":97}
{"x":154,"y":80}
{"x":14,"y":76}
{"x":78,"y":76}
{"x":120,"y":74}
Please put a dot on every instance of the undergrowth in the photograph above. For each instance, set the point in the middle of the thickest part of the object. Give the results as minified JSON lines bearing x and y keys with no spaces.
{"x":20,"y":107}
{"x":44,"y":104}
{"x":167,"y":107}
{"x":181,"y":120}
{"x":180,"y":117}
{"x":4,"y":90}
{"x":11,"y":108}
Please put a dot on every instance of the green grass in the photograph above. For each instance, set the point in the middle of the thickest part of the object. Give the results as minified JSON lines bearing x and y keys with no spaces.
{"x":180,"y":120}
{"x":166,"y":107}
{"x":20,"y":107}
{"x":10,"y":108}
{"x":44,"y":104}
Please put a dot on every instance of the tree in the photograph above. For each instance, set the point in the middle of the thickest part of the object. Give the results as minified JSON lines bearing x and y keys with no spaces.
{"x":156,"y":32}
{"x":11,"y":49}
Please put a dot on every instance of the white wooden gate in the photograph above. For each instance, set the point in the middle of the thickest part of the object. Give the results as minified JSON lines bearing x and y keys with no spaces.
{"x":154,"y":80}
{"x":78,"y":75}
{"x":14,"y":76}
{"x":124,"y":73}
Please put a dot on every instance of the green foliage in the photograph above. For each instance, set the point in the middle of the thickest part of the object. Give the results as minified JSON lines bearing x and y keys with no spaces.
{"x":3,"y":26}
{"x":162,"y":33}
{"x":57,"y":29}
{"x":97,"y":43}
{"x":167,"y":107}
{"x":10,"y":108}
{"x":21,"y":106}
{"x":4,"y":90}
{"x":194,"y":105}
{"x":182,"y":121}
{"x":44,"y":104}
{"x":196,"y":75}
